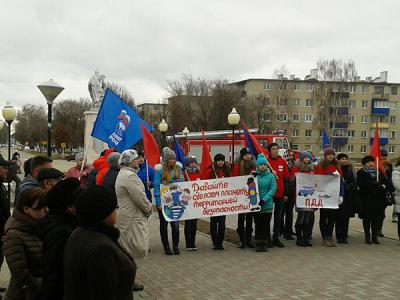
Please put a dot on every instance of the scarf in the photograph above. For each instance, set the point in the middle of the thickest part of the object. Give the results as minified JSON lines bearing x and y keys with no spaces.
{"x":371,"y":172}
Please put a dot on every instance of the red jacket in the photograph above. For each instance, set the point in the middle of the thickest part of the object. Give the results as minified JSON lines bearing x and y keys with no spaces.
{"x":280,"y":166}
{"x":193,"y":176}
{"x":329,"y":170}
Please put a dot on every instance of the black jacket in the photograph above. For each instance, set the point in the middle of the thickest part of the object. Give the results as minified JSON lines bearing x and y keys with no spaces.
{"x":372,"y":196}
{"x":4,"y":207}
{"x":348,"y":207}
{"x":95,"y":267}
{"x":54,"y":232}
{"x":92,"y":177}
{"x":110,"y":177}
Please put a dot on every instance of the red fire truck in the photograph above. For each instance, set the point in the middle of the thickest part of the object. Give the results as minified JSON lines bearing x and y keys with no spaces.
{"x":221,"y":142}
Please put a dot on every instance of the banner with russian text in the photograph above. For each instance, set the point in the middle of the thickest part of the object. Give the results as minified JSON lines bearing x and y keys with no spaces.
{"x":317,"y":191}
{"x":209,"y":198}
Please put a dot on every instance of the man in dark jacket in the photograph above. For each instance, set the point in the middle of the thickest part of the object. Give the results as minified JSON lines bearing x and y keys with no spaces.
{"x":95,"y":266}
{"x":4,"y":207}
{"x":54,"y":232}
{"x":146,"y":174}
{"x":112,"y":173}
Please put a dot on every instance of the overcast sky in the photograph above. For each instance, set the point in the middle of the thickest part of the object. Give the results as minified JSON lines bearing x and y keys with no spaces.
{"x":142,"y":43}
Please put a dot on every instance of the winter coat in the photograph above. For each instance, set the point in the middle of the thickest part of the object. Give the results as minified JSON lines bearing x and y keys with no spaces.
{"x":191,"y":175}
{"x":215,"y":172}
{"x":76,"y":173}
{"x":348,"y":207}
{"x":134,"y":209}
{"x":372,"y":196}
{"x":92,"y":177}
{"x":22,"y":250}
{"x":279,"y":165}
{"x":396,"y":184}
{"x":4,"y":208}
{"x":101,"y":165}
{"x":143,"y":177}
{"x":158,"y":180}
{"x":111,"y":177}
{"x":266,"y":188}
{"x":95,"y":267}
{"x":54,"y":231}
{"x":27,"y":183}
{"x":251,"y":167}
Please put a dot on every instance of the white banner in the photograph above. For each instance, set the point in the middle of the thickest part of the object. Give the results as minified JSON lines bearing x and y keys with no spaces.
{"x":317,"y":191}
{"x":209,"y":198}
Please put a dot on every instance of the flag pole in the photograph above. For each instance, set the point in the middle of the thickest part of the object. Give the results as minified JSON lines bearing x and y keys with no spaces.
{"x":377,"y":169}
{"x":85,"y":155}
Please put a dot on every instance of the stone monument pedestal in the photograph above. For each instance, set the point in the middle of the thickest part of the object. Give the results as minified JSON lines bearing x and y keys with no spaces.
{"x":96,"y":146}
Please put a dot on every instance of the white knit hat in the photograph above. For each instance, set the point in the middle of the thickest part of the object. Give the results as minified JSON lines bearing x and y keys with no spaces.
{"x":127,"y":157}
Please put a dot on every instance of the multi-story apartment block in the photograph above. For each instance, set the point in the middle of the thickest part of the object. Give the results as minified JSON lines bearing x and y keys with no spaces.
{"x":348,"y":111}
{"x":153,"y":113}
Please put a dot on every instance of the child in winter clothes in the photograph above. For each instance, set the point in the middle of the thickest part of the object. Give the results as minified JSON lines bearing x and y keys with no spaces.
{"x":305,"y":216}
{"x":169,"y":172}
{"x":192,"y":173}
{"x":262,"y":219}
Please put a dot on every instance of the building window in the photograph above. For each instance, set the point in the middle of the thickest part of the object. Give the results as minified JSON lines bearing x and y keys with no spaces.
{"x":352,"y":103}
{"x":381,"y":104}
{"x":308,"y":147}
{"x":155,"y":107}
{"x":296,"y":117}
{"x":364,"y":119}
{"x":392,"y":134}
{"x":297,"y":87}
{"x":378,"y":90}
{"x":281,"y":117}
{"x":393,"y":105}
{"x":267,"y":86}
{"x":364,"y":104}
{"x":351,"y":118}
{"x":322,"y":103}
{"x":295,"y":147}
{"x":352,"y":89}
{"x":295,"y":132}
{"x":340,"y":132}
{"x":283,"y":86}
{"x":308,"y":118}
{"x":350,"y":148}
{"x":308,"y":132}
{"x":392,"y":120}
{"x":351,"y":133}
{"x":365,"y":89}
{"x":379,"y":119}
{"x":308,"y":102}
{"x":296,"y":102}
{"x":320,"y":133}
{"x":267,"y":117}
{"x":309,"y":87}
{"x":363,"y":149}
{"x":364,"y":134}
{"x":281,"y":102}
{"x":322,"y":118}
{"x":337,"y":148}
{"x":393,"y":90}
{"x":392,"y":149}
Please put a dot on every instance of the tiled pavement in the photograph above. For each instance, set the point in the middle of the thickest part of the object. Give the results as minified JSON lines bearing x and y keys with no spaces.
{"x":352,"y":271}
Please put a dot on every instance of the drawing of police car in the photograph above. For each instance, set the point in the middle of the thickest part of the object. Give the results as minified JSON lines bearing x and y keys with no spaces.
{"x":306,"y":191}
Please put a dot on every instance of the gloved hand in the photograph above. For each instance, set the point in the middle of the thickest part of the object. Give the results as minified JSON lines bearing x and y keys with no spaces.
{"x":261,"y":203}
{"x":340,"y":200}
{"x":254,"y":173}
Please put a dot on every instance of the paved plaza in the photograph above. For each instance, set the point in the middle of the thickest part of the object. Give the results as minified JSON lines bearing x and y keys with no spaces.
{"x":352,"y":271}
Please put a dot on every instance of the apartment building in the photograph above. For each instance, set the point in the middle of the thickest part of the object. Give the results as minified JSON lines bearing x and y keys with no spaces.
{"x":348,"y":111}
{"x":153,"y":113}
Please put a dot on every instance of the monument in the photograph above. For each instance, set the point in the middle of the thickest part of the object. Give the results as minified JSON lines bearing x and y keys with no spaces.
{"x":96,"y":87}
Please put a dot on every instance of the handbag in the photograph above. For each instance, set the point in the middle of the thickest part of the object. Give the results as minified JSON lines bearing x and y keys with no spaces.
{"x":389,"y":197}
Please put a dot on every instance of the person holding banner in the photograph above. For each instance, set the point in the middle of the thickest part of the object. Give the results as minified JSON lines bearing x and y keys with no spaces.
{"x":192,"y":173}
{"x":262,"y":219}
{"x":169,"y":172}
{"x":281,"y":171}
{"x":146,"y":174}
{"x":328,"y":166}
{"x":219,"y":169}
{"x":305,"y":216}
{"x":372,"y":192}
{"x":245,"y":166}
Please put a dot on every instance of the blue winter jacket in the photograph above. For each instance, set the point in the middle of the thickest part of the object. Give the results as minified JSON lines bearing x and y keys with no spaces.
{"x":143,"y":177}
{"x":158,"y":182}
{"x":266,"y":189}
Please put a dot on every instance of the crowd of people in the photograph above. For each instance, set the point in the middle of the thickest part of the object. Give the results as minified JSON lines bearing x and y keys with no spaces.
{"x":63,"y":226}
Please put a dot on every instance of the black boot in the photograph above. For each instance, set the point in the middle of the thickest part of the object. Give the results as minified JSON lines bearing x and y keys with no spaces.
{"x":176,"y":250}
{"x":167,"y":250}
{"x":367,"y":239}
{"x":258,"y":247}
{"x":249,"y":242}
{"x":242,"y":241}
{"x":264,"y":247}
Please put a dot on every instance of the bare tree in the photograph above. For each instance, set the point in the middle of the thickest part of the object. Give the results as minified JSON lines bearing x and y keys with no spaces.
{"x":122,"y":92}
{"x":31,"y":125}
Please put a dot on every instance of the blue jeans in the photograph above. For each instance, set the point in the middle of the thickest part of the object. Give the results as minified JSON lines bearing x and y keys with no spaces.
{"x":279,"y":210}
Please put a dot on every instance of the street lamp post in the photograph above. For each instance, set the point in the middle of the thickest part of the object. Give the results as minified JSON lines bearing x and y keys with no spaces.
{"x":233,"y":120}
{"x":185,"y":132}
{"x":9,"y":115}
{"x":50,"y":90}
{"x":163,"y":126}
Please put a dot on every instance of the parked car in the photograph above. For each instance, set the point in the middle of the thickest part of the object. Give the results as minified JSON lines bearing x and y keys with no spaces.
{"x":70,"y":156}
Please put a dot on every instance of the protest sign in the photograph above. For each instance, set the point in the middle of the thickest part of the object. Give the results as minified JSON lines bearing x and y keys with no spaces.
{"x":209,"y":198}
{"x":317,"y":191}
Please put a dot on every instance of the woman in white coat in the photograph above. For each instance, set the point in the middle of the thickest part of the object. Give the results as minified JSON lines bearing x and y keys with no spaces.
{"x":396,"y":184}
{"x":134,"y":208}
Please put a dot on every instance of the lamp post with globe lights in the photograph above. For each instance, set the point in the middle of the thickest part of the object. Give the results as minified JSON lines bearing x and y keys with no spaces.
{"x":233,"y":120}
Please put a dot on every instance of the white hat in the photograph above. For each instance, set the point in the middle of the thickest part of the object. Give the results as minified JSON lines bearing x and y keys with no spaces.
{"x":127,"y":157}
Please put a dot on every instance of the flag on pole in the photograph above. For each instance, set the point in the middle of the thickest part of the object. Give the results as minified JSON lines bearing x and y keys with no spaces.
{"x":376,"y":151}
{"x":180,"y":154}
{"x":206,"y":160}
{"x":325,"y":139}
{"x":117,"y":124}
{"x":253,"y":144}
{"x":150,"y":147}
